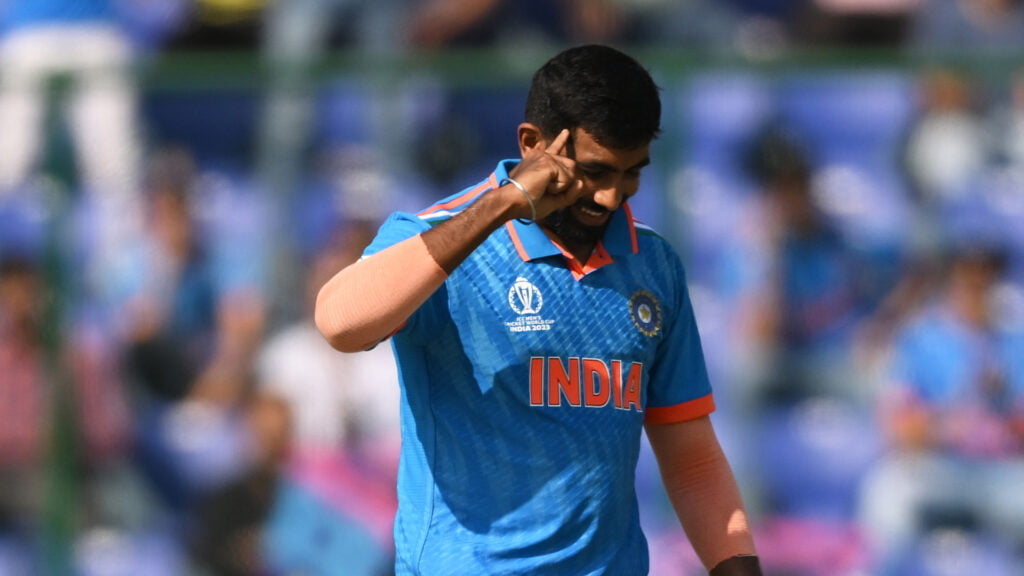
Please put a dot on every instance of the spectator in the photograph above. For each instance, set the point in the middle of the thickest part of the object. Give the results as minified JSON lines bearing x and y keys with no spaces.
{"x":951,"y":409}
{"x":231,"y":520}
{"x":808,"y":300}
{"x":45,"y":38}
{"x":87,"y":43}
{"x":801,"y":399}
{"x":188,"y":304}
{"x":31,"y":388}
{"x":947,"y":142}
{"x":193,"y":317}
{"x":25,"y":435}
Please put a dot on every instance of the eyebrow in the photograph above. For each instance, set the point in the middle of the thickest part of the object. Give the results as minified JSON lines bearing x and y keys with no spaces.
{"x":608,"y":167}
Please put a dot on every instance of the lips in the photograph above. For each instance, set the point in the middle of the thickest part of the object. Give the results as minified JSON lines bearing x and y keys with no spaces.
{"x":590,"y":213}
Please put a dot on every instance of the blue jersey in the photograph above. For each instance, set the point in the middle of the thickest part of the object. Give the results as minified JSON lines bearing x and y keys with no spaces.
{"x":526,"y":380}
{"x":950,"y":365}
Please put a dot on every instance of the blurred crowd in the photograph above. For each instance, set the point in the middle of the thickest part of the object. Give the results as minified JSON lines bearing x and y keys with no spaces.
{"x":855,"y":252}
{"x":854,"y":239}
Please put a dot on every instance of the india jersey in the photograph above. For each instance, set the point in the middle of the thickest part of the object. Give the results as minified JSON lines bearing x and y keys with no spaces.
{"x":526,"y":379}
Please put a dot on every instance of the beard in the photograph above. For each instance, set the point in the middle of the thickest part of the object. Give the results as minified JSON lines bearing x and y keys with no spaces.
{"x":570,"y":230}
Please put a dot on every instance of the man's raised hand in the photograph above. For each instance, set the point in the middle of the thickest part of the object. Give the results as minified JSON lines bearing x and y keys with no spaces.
{"x":549,"y":175}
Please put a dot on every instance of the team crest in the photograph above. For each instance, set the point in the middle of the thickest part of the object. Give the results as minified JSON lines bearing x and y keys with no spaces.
{"x":645,"y":310}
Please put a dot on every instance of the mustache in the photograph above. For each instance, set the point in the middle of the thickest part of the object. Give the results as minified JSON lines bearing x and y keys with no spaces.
{"x":590,"y":205}
{"x":568,"y":228}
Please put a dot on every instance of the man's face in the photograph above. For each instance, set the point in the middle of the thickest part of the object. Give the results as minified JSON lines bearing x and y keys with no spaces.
{"x":610,"y":177}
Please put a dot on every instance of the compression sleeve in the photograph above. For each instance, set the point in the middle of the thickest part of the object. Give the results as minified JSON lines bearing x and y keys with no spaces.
{"x":368,"y":300}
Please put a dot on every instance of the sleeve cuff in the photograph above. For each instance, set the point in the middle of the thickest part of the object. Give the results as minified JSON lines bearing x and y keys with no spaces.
{"x":689,"y":410}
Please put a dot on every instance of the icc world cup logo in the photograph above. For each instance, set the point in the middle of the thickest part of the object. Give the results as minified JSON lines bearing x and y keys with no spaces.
{"x":524,"y":297}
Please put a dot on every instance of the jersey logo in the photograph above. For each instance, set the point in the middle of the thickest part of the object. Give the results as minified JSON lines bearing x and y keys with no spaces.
{"x":586,"y":383}
{"x":524,"y":297}
{"x":645,"y":310}
{"x":526,"y":300}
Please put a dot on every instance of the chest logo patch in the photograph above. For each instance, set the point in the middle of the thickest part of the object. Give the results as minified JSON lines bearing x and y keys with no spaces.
{"x":645,"y":310}
{"x":526,"y":300}
{"x":524,"y":297}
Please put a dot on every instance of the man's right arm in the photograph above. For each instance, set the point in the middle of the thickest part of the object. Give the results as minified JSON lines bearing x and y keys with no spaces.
{"x":369,"y":300}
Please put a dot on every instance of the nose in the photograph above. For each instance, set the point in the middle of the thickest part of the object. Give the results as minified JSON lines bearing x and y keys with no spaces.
{"x":610,"y":197}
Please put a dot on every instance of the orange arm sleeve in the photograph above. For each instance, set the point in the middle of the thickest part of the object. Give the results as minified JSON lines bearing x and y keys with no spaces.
{"x":368,"y":300}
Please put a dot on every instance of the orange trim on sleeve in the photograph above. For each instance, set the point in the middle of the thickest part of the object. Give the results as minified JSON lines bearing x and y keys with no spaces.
{"x":516,"y":241}
{"x":491,"y":182}
{"x":681,"y":412}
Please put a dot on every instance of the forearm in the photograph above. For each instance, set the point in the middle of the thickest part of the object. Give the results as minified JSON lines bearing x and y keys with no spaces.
{"x":367,"y":301}
{"x":710,"y":508}
{"x":454,"y":240}
{"x":703,"y":491}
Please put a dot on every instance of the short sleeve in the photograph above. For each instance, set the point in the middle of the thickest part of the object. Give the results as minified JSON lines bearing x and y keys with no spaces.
{"x":679,"y":387}
{"x":398,"y":227}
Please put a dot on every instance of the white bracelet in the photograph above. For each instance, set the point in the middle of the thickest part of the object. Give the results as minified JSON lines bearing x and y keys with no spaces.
{"x":533,"y":207}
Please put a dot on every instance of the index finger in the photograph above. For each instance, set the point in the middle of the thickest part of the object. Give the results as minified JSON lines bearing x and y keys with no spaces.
{"x":557,"y":145}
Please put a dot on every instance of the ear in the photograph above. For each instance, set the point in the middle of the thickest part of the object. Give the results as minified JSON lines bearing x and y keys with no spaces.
{"x":530,"y":138}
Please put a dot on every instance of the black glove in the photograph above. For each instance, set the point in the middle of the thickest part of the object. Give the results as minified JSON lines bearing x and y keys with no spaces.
{"x":745,"y":565}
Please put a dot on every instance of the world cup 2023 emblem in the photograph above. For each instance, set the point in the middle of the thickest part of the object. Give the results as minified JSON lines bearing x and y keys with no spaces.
{"x":524,"y":297}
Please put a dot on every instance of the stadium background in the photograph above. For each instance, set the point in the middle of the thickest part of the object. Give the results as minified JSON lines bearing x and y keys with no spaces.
{"x":292,"y":126}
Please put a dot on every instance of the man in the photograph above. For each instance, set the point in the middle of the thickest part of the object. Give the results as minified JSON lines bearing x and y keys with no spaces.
{"x":532,"y":352}
{"x":87,"y":48}
{"x":952,"y":409}
{"x":42,"y":39}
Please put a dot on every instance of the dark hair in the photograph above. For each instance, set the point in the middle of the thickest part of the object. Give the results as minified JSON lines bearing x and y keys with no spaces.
{"x":776,"y":155}
{"x":599,"y":89}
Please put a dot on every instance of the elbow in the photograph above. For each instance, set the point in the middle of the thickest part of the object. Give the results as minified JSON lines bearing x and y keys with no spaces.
{"x":345,"y":346}
{"x":333,"y":330}
{"x":339,"y":339}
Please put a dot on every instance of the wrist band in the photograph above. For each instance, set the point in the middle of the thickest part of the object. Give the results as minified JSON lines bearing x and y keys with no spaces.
{"x":740,"y":565}
{"x":533,"y":207}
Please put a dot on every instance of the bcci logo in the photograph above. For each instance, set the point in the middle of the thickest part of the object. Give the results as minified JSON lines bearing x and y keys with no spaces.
{"x":524,"y":297}
{"x":645,"y":310}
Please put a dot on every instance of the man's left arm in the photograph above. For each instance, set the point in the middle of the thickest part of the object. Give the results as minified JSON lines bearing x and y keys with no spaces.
{"x":703,"y":491}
